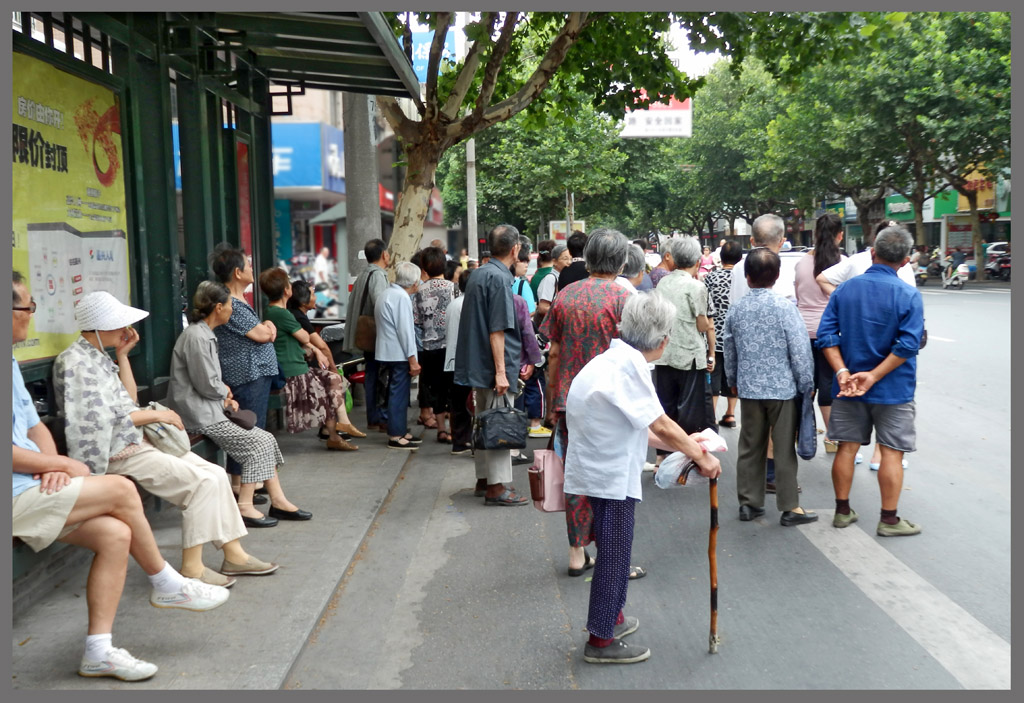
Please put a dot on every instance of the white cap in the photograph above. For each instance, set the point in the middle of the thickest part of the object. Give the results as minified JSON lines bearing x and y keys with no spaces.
{"x":103,"y":312}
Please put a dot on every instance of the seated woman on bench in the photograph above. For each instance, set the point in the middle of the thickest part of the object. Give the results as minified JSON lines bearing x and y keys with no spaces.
{"x":197,"y":393}
{"x":102,"y":424}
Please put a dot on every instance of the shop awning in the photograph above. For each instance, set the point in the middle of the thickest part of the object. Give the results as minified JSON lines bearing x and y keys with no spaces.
{"x":340,"y":212}
{"x":350,"y":51}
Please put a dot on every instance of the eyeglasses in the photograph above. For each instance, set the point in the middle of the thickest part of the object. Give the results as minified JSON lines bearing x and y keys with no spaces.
{"x":31,"y":308}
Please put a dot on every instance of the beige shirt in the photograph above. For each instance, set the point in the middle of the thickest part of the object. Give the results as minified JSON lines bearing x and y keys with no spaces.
{"x":687,"y":348}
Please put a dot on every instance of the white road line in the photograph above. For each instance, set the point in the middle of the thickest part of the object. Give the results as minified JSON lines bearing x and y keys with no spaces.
{"x":932,"y":337}
{"x":977,"y":657}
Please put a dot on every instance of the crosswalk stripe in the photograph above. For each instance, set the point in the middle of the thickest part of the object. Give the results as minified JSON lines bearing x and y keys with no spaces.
{"x":977,"y":657}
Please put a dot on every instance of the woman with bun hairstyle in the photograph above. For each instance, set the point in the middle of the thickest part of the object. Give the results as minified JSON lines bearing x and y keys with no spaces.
{"x":200,"y":398}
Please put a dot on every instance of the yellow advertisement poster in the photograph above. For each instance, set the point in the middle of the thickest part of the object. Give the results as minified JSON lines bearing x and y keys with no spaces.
{"x":986,"y":193}
{"x":69,"y":218}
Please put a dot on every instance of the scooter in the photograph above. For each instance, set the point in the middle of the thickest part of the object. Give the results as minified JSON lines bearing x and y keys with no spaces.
{"x":954,"y":277}
{"x":921,"y":274}
{"x":999,"y":267}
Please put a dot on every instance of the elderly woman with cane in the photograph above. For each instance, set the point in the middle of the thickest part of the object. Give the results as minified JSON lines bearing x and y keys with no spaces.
{"x":612,"y":413}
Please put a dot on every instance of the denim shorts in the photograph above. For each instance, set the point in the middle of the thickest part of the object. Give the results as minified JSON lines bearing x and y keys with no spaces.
{"x":852,"y":421}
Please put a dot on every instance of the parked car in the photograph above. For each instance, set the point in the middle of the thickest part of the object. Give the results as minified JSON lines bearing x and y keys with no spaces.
{"x":995,"y":250}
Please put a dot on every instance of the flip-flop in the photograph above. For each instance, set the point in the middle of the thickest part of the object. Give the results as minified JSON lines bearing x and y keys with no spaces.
{"x":444,"y":438}
{"x":724,"y":422}
{"x":419,"y":421}
{"x":636,"y":572}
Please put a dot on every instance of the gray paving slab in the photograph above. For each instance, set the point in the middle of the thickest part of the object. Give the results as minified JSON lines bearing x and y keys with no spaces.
{"x":252,"y":640}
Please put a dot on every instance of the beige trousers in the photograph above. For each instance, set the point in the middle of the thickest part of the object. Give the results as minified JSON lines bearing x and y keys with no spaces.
{"x":202,"y":490}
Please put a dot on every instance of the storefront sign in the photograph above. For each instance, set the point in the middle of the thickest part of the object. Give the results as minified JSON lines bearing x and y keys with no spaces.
{"x":660,"y":120}
{"x":985,"y":189}
{"x":69,"y":215}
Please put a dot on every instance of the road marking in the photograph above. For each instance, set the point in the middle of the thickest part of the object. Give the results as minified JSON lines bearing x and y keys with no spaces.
{"x":977,"y":657}
{"x":932,"y":337}
{"x":950,"y":292}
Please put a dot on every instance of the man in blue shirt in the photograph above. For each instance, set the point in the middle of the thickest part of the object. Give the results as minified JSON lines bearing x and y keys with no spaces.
{"x":490,"y":342}
{"x":768,"y":363}
{"x":870,"y":333}
{"x":56,"y":498}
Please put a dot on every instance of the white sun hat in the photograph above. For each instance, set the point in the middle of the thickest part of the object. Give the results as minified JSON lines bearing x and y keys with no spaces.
{"x":103,"y":312}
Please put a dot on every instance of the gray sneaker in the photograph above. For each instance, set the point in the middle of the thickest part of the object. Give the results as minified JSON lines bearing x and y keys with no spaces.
{"x":628,"y":627}
{"x":618,"y":652}
{"x":839,"y":520}
{"x":900,"y":529}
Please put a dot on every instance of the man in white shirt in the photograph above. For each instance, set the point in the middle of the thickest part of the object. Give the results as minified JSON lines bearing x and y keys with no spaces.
{"x":321,"y":268}
{"x":768,"y":231}
{"x":857,"y":264}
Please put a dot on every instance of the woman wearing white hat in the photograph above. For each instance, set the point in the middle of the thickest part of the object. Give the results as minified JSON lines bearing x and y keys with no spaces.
{"x":102,"y":426}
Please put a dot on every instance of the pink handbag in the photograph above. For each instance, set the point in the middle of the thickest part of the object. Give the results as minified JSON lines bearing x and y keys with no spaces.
{"x":547,"y":478}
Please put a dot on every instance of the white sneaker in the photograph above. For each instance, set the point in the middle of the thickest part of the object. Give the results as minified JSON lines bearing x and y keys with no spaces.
{"x":648,"y":466}
{"x":193,"y":595}
{"x":119,"y":664}
{"x":540,"y":431}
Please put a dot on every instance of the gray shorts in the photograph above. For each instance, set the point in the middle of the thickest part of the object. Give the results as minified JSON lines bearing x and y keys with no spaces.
{"x":852,"y":421}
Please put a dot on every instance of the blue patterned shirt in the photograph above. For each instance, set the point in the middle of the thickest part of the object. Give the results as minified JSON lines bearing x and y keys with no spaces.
{"x":868,"y":317}
{"x":241,"y":359}
{"x":767,"y":350}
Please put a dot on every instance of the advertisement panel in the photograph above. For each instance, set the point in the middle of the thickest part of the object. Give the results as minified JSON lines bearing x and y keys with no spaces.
{"x":558,"y":229}
{"x":69,"y":215}
{"x":985,"y":189}
{"x":421,"y":42}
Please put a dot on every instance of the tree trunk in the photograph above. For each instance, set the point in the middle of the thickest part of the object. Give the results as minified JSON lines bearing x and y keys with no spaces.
{"x":979,"y":256}
{"x":413,"y":202}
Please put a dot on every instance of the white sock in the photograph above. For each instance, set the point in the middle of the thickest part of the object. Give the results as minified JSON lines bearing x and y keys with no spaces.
{"x":97,"y":646}
{"x":167,"y":580}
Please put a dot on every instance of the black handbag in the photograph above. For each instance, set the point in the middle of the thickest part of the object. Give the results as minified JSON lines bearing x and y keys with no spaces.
{"x":501,"y":427}
{"x":807,"y":433}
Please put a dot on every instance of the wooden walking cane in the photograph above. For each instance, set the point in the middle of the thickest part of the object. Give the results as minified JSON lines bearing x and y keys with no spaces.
{"x":712,"y":556}
{"x":713,"y":564}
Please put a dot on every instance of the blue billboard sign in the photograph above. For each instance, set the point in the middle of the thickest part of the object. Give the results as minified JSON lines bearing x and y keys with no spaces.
{"x":421,"y":42}
{"x":304,"y":155}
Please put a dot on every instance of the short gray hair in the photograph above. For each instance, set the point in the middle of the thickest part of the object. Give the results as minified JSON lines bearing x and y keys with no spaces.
{"x":557,"y":251}
{"x":407,"y":274}
{"x":605,"y":251}
{"x":767,"y":230}
{"x":685,"y":251}
{"x":635,"y":262}
{"x":893,"y":245}
{"x":502,"y":239}
{"x":647,"y":319}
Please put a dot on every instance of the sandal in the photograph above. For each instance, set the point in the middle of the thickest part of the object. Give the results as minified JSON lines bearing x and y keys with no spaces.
{"x":443,"y":437}
{"x":727,"y":421}
{"x":507,"y":497}
{"x":636,"y":572}
{"x":587,"y":564}
{"x":419,"y":421}
{"x":831,"y":446}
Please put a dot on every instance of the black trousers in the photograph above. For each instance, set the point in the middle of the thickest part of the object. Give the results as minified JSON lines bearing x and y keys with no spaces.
{"x":686,"y":398}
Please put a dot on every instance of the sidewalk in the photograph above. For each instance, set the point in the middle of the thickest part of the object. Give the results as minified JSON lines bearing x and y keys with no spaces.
{"x":252,"y":640}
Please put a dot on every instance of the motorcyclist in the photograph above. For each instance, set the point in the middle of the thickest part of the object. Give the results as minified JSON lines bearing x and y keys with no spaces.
{"x":958,"y":257}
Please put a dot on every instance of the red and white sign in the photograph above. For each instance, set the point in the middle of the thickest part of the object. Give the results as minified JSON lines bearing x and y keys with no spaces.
{"x":674,"y":119}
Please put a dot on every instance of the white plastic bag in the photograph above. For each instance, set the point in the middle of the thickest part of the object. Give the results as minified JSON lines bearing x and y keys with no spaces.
{"x":677,"y":463}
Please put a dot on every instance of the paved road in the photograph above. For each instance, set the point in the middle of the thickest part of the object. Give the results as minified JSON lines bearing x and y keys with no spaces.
{"x":448,"y":593}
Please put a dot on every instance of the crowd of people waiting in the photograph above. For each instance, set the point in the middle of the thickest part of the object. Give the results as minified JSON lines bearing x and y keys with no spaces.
{"x":597,"y":345}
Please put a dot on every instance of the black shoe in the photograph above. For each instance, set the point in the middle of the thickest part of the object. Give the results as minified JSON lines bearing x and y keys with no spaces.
{"x":262,"y":491}
{"x":749,"y":512}
{"x":588,"y":563}
{"x":789,"y":518}
{"x":289,"y":514}
{"x":259,"y":521}
{"x":521,"y":459}
{"x":461,"y":449}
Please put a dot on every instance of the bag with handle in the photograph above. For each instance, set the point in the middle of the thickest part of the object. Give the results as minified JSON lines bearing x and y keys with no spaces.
{"x":366,"y":324}
{"x":807,"y":434}
{"x":165,"y":436}
{"x":547,"y":481}
{"x":501,"y":427}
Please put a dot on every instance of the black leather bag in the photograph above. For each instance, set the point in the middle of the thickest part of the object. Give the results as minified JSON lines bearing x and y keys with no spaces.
{"x":501,"y":427}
